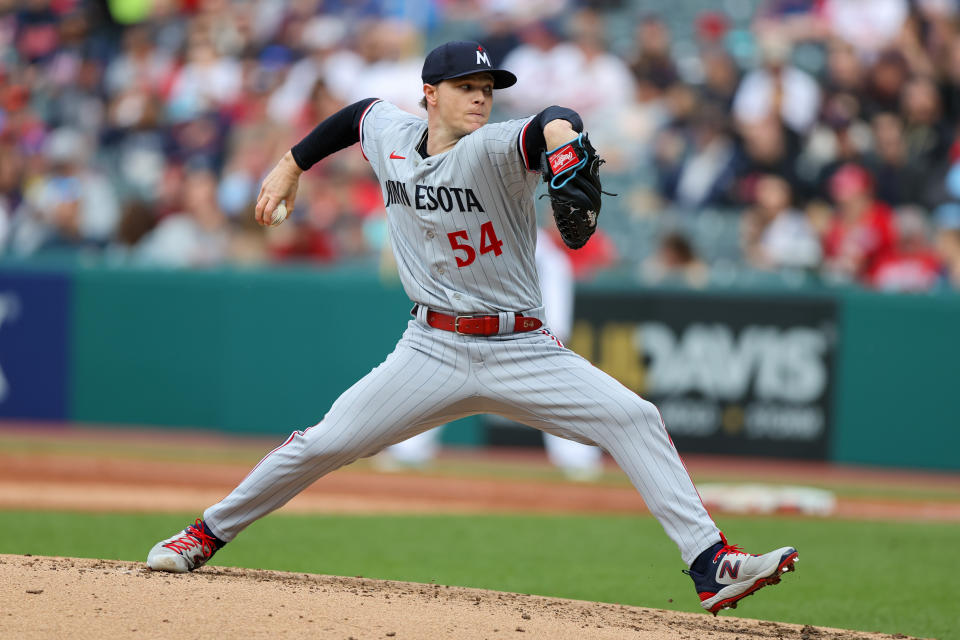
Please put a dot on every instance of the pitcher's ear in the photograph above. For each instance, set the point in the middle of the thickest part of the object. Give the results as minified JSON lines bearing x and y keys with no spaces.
{"x":430,"y":95}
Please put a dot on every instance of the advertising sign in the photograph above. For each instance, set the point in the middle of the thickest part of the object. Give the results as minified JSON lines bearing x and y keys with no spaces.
{"x":34,"y":322}
{"x":738,"y":375}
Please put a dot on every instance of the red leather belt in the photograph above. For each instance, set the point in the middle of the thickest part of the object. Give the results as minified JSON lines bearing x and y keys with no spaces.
{"x":478,"y":325}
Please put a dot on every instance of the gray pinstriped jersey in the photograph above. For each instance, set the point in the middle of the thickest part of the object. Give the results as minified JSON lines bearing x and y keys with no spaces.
{"x":462,"y":223}
{"x":438,"y":211}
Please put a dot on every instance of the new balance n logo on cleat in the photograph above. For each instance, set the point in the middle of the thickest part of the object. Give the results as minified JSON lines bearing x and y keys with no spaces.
{"x":730,"y":569}
{"x":724,"y":575}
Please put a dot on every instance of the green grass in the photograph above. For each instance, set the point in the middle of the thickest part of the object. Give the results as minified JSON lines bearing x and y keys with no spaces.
{"x":872,"y":576}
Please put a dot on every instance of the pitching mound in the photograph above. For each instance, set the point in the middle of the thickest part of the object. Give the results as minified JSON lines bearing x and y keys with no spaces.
{"x":77,"y":598}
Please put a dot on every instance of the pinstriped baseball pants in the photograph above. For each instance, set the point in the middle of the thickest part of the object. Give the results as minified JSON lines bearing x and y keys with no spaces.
{"x":434,"y":377}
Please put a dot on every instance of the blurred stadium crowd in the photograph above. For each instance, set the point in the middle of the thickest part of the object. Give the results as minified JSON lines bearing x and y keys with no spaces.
{"x":810,"y":140}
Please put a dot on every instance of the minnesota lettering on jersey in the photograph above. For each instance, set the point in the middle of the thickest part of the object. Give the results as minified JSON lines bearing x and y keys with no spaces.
{"x":430,"y":198}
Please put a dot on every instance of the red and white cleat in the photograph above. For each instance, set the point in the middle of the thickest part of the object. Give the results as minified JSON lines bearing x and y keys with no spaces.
{"x":733,"y":575}
{"x":186,"y":551}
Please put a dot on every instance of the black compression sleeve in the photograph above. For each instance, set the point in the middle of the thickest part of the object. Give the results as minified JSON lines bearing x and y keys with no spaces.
{"x":534,"y":143}
{"x":339,"y":131}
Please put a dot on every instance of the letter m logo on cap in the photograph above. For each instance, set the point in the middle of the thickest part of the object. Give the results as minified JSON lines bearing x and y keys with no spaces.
{"x":482,"y":57}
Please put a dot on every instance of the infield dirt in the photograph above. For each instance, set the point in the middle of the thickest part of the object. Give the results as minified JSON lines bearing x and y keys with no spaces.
{"x":113,"y":470}
{"x":43,"y":597}
{"x":117,"y":470}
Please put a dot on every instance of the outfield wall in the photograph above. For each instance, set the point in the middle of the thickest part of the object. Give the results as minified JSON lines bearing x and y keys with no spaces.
{"x":848,"y":376}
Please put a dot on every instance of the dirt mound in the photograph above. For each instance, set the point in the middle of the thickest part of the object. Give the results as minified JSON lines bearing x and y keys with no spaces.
{"x":43,"y":597}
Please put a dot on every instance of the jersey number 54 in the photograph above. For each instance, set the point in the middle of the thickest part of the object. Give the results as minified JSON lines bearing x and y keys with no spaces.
{"x":488,"y":242}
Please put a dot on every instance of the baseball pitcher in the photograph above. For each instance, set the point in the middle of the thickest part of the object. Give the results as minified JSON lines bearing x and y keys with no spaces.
{"x":459,"y":199}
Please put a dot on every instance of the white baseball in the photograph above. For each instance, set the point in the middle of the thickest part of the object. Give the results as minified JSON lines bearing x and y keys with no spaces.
{"x":279,"y":214}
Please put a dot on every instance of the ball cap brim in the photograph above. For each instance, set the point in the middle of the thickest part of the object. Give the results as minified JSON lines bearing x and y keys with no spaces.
{"x":463,"y":58}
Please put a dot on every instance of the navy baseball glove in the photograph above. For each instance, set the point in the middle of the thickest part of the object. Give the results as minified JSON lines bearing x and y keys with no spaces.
{"x":572,"y":174}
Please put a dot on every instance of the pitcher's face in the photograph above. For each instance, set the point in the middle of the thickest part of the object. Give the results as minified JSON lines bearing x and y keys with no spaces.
{"x":464,"y":104}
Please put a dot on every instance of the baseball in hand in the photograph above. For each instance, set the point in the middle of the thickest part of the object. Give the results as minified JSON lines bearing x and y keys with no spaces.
{"x":279,"y":214}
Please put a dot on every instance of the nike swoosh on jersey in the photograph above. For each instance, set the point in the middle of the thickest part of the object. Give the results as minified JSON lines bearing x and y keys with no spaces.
{"x":394,"y":156}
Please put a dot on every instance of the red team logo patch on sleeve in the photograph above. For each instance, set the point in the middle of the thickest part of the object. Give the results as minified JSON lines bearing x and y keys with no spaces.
{"x":563,"y":159}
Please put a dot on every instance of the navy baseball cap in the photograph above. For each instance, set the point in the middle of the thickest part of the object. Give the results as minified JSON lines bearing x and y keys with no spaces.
{"x":462,"y":58}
